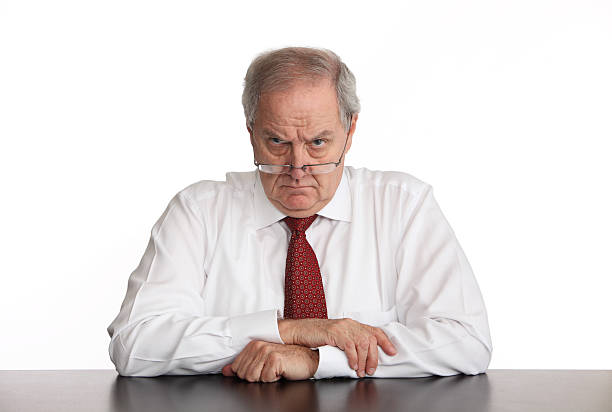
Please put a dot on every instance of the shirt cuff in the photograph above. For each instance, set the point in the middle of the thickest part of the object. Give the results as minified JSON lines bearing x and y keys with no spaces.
{"x":254,"y":326}
{"x":333,"y":363}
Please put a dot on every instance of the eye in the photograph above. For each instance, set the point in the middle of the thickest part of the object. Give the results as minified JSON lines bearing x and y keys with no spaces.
{"x":276,"y":140}
{"x":318,"y":142}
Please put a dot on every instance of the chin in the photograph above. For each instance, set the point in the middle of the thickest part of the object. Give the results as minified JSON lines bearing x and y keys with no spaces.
{"x":298,"y":204}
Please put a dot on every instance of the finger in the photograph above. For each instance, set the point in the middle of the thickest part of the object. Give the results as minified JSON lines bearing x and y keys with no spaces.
{"x":372,"y":361}
{"x":384,"y":342}
{"x":238,"y":366}
{"x":253,"y":369}
{"x":227,"y":370}
{"x":362,"y":355}
{"x":235,"y":365}
{"x":271,"y":369}
{"x":351,"y":354}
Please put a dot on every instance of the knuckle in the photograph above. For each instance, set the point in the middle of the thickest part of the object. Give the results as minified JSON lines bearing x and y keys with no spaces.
{"x":363,"y":342}
{"x":381,"y":333}
{"x":270,"y":378}
{"x":274,"y":357}
{"x":378,"y":335}
{"x":373,"y":360}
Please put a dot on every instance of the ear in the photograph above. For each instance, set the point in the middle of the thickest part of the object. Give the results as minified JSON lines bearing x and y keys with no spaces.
{"x":251,"y":135}
{"x":351,"y":131}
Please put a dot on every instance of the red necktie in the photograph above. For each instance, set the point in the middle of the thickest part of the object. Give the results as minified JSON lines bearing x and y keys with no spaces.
{"x":304,"y":296}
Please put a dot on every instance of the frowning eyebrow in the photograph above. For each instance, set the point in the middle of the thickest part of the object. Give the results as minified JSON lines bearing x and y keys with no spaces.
{"x":269,"y":133}
{"x":324,"y":133}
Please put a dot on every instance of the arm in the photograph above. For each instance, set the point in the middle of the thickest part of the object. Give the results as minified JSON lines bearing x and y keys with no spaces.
{"x":442,"y":326}
{"x":358,"y":341}
{"x":160,"y":328}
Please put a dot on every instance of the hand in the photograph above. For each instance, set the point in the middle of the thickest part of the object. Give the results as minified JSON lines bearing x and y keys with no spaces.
{"x":358,"y":341}
{"x":262,"y":361}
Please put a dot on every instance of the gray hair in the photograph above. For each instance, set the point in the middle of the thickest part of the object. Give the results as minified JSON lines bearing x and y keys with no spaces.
{"x":279,"y":69}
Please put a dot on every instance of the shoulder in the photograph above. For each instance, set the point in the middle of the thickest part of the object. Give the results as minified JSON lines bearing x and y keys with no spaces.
{"x":237,"y":185}
{"x":378,"y":181}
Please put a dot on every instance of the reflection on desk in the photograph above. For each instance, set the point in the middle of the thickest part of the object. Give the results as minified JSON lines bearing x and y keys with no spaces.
{"x":497,"y":390}
{"x":230,"y":394}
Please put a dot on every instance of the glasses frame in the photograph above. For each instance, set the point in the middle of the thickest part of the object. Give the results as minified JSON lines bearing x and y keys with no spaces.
{"x":291,"y":167}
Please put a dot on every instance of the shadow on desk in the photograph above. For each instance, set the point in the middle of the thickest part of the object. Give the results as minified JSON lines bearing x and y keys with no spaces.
{"x":216,"y":392}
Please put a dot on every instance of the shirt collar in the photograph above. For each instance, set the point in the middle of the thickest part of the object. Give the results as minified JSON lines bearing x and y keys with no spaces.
{"x":338,"y":208}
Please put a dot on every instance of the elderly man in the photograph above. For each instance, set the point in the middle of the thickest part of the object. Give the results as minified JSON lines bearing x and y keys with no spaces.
{"x":304,"y":267}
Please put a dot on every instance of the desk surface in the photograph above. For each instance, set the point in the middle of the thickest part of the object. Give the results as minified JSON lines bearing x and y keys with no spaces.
{"x":497,"y":390}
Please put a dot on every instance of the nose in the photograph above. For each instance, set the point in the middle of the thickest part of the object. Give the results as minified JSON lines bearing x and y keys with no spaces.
{"x":297,"y":160}
{"x":297,"y":173}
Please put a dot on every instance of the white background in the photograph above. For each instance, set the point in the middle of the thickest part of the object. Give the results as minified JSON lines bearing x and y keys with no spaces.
{"x":109,"y":108}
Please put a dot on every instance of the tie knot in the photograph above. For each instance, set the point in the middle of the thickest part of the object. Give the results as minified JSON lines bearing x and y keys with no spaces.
{"x":299,"y":224}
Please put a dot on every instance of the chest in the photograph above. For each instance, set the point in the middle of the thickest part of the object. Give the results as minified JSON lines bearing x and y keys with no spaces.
{"x":246,"y":272}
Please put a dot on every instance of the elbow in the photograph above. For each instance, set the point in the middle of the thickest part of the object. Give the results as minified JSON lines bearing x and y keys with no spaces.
{"x":128,"y":366}
{"x":469,"y":356}
{"x":125,"y":368}
{"x":119,"y":355}
{"x":477,"y":359}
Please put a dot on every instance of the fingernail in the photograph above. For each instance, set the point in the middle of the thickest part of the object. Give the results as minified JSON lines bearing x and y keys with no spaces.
{"x":371,"y":371}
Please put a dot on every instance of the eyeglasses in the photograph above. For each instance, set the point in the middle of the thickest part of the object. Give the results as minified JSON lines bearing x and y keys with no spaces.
{"x":315,"y":169}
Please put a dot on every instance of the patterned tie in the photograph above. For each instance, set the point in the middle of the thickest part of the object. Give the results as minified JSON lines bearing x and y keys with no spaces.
{"x":304,"y":296}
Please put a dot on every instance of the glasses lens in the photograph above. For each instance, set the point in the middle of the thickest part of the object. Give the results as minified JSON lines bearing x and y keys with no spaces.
{"x":274,"y":169}
{"x":313,"y":169}
{"x":321,"y":169}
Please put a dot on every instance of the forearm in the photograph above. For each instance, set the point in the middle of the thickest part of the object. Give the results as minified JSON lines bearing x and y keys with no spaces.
{"x":462,"y":354}
{"x":284,"y":328}
{"x":310,"y":333}
{"x":176,"y":344}
{"x":287,"y":330}
{"x":424,"y":348}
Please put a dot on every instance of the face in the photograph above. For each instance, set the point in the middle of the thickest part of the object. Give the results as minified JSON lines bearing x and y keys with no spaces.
{"x":300,"y":126}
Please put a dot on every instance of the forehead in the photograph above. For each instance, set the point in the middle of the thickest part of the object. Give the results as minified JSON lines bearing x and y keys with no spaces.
{"x":303,"y":105}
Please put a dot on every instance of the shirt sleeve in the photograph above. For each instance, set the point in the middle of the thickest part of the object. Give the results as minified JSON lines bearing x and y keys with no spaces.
{"x":161,"y":328}
{"x":442,"y":327}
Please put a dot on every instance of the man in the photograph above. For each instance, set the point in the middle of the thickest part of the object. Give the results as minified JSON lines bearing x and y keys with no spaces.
{"x":303,"y":268}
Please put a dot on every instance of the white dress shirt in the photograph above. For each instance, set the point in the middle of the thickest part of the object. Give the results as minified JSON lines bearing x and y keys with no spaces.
{"x":212,"y":279}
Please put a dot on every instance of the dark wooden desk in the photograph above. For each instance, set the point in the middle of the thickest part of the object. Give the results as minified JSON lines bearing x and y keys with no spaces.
{"x":497,"y":390}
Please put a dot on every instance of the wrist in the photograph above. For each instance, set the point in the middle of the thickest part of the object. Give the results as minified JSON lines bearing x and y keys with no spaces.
{"x":285,"y":330}
{"x":315,"y":361}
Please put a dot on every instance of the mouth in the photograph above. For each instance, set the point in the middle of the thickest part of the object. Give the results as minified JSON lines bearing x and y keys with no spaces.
{"x":296,"y":187}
